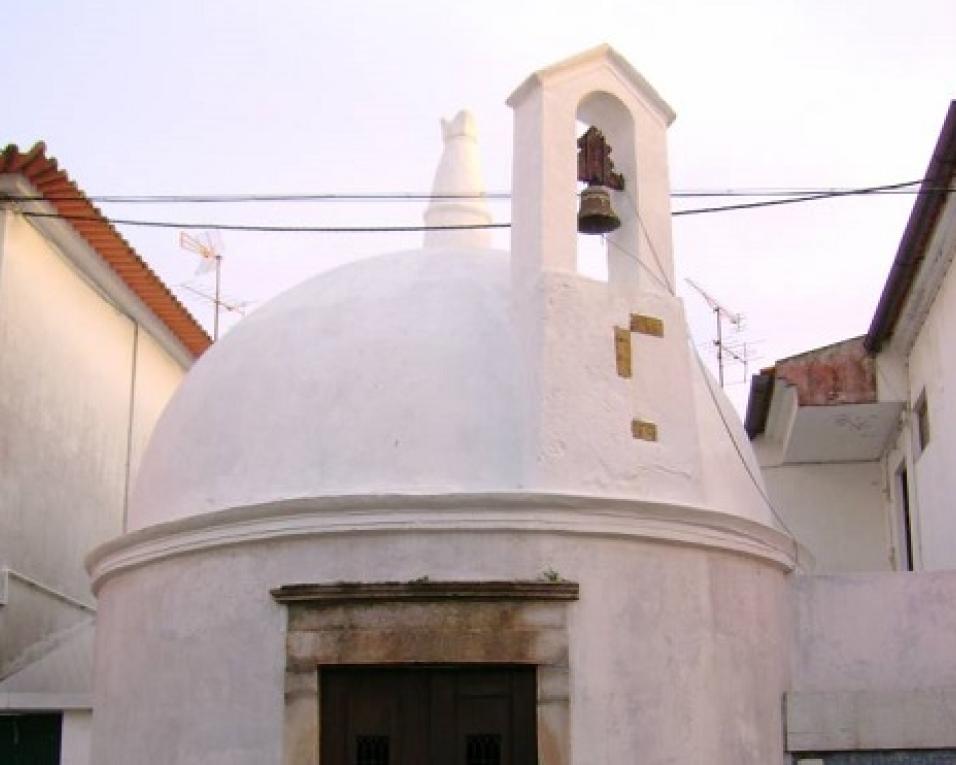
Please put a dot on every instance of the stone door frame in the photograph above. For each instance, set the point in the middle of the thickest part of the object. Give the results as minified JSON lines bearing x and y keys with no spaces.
{"x":424,"y":622}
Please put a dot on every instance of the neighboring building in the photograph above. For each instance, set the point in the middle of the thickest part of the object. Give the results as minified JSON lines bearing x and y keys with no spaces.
{"x":858,"y":449}
{"x":857,"y":440}
{"x":819,"y":432}
{"x":92,"y":346}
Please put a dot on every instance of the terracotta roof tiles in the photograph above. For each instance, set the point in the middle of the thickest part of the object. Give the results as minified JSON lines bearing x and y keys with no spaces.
{"x":66,"y":197}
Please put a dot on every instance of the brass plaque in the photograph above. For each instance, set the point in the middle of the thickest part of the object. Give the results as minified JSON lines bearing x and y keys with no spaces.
{"x":622,"y":351}
{"x":643,"y":431}
{"x":647,"y":325}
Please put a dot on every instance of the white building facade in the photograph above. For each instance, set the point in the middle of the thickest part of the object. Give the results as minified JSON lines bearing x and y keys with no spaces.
{"x":855,"y":445}
{"x":844,"y":432}
{"x":86,"y":366}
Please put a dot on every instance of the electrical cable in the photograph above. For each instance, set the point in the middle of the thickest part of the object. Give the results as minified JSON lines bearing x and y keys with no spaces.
{"x":720,"y":413}
{"x":386,"y":196}
{"x":797,"y":199}
{"x":743,"y":459}
{"x":394,"y":229}
{"x":405,"y":196}
{"x":647,"y":237}
{"x":641,"y":263}
{"x":261,"y":228}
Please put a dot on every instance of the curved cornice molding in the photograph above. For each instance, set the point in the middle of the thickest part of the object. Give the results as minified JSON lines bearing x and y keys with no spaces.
{"x":511,"y":512}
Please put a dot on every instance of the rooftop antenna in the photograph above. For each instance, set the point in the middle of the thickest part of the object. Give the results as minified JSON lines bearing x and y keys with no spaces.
{"x":236,"y":306}
{"x":209,"y":247}
{"x":720,"y":314}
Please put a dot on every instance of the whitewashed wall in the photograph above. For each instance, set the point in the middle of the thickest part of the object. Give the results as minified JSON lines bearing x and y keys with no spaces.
{"x":836,"y":510}
{"x":157,"y":377}
{"x":66,"y":374}
{"x":676,"y":652}
{"x":932,"y":367}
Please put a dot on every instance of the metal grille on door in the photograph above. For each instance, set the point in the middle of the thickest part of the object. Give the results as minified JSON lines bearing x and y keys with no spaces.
{"x":371,"y":750}
{"x":483,"y":749}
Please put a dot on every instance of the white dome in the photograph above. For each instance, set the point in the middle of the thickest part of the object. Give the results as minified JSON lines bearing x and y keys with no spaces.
{"x":396,"y":374}
{"x":451,"y":370}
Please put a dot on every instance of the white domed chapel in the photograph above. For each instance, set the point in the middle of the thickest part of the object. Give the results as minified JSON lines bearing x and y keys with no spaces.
{"x":458,"y":505}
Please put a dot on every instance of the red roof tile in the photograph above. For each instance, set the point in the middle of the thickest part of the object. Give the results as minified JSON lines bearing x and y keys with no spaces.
{"x":65,"y":196}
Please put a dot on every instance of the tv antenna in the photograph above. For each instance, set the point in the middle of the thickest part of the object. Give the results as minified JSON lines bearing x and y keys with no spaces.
{"x":208,"y":246}
{"x":736,"y":320}
{"x":235,"y":306}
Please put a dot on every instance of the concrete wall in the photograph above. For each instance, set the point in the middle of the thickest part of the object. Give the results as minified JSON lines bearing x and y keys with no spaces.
{"x":836,"y":510}
{"x":676,"y":652}
{"x":875,"y":631}
{"x":66,"y":380}
{"x":932,"y":368}
{"x":873,"y":664}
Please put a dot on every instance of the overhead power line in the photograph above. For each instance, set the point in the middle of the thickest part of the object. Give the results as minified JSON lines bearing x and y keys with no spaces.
{"x":387,"y":196}
{"x":869,"y":190}
{"x":406,"y":196}
{"x":264,"y":228}
{"x":865,"y":191}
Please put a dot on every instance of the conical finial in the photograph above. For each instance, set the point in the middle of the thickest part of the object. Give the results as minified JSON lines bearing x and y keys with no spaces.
{"x":458,"y":188}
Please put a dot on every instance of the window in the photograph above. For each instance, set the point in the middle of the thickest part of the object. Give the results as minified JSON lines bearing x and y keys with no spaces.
{"x":922,"y":422}
{"x":905,"y":525}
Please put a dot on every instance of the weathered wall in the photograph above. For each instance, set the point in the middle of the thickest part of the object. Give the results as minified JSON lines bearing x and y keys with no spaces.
{"x":66,"y":365}
{"x":873,"y":662}
{"x":842,"y":373}
{"x":676,"y":652}
{"x":65,"y":362}
{"x":874,"y":631}
{"x":836,"y":510}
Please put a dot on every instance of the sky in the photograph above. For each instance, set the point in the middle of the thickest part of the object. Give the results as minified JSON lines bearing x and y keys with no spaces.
{"x":186,"y":97}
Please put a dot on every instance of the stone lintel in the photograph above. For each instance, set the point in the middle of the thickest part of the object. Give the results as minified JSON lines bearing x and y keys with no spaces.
{"x":425,"y":590}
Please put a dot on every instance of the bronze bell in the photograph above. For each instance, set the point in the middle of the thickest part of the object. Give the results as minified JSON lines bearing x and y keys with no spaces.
{"x":595,"y":168}
{"x":596,"y":216}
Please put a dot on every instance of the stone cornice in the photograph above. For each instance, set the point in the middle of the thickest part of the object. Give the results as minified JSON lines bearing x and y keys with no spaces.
{"x":493,"y":512}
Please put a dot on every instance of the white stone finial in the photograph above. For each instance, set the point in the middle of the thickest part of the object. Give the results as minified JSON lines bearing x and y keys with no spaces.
{"x":458,"y":182}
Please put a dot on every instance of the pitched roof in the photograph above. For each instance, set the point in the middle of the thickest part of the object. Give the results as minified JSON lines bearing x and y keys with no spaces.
{"x":932,"y":197}
{"x":69,"y":201}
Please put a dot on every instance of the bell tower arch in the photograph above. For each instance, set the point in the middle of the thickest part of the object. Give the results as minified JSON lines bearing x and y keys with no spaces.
{"x":598,"y":88}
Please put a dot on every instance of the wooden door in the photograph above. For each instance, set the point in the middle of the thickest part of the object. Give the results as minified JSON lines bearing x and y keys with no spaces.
{"x":434,"y":715}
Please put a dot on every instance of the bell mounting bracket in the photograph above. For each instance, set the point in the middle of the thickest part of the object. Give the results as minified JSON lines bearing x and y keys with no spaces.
{"x":595,"y":166}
